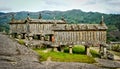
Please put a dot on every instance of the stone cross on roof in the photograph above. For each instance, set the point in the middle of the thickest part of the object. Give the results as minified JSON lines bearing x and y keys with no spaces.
{"x":28,"y":17}
{"x":102,"y":20}
{"x":12,"y":19}
{"x":39,"y":16}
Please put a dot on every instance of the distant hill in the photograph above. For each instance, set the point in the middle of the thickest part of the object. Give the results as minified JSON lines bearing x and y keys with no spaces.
{"x":71,"y":16}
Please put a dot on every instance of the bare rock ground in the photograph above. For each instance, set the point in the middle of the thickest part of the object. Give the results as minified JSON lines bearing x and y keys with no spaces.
{"x":16,"y":56}
{"x":108,"y":63}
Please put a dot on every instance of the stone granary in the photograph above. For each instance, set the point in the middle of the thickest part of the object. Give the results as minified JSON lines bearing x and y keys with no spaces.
{"x":58,"y":31}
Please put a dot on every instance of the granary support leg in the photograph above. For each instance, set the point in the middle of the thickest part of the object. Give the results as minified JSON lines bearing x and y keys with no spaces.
{"x":30,"y":38}
{"x":14,"y":35}
{"x":19,"y":36}
{"x":104,"y":51}
{"x":25,"y":36}
{"x":55,"y":48}
{"x":42,"y":38}
{"x":22,"y":36}
{"x":62,"y":48}
{"x":87,"y":51}
{"x":10,"y":35}
{"x":70,"y":49}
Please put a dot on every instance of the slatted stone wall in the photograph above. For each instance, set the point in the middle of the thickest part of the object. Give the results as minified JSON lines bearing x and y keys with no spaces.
{"x":17,"y":28}
{"x":37,"y":28}
{"x":79,"y":36}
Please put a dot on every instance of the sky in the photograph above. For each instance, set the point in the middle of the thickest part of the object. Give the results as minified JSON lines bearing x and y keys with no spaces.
{"x":103,"y":6}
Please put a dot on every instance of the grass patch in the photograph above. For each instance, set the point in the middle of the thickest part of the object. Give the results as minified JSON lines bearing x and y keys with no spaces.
{"x":20,"y":41}
{"x":79,"y":49}
{"x":43,"y":56}
{"x":66,"y":50}
{"x":64,"y":57}
{"x":94,"y":53}
{"x":76,"y":49}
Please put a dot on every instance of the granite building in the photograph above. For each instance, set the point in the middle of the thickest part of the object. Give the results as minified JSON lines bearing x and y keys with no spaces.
{"x":58,"y":31}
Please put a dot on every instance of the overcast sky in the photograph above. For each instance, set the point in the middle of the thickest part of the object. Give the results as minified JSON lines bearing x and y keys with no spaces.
{"x":104,"y":6}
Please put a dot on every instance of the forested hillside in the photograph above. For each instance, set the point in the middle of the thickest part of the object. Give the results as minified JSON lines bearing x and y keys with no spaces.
{"x":71,"y":16}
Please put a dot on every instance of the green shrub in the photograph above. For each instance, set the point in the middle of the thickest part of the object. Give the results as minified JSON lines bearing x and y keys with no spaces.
{"x":116,"y":48}
{"x":94,"y":53}
{"x":79,"y":50}
{"x":76,"y":50}
{"x":66,"y":50}
{"x":21,"y":42}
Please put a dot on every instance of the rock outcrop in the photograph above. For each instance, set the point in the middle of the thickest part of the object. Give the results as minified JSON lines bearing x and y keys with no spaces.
{"x":16,"y":56}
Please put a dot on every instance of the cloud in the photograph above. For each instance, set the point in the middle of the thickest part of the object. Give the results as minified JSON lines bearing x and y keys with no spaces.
{"x":5,"y":9}
{"x":55,"y":2}
{"x":104,"y":6}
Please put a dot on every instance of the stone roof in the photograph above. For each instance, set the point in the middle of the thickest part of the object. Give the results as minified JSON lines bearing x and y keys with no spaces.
{"x":80,"y":27}
{"x":17,"y":22}
{"x":46,"y":21}
{"x":38,"y":21}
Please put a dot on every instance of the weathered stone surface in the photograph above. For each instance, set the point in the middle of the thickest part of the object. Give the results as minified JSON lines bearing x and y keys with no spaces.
{"x":108,"y":63}
{"x":15,"y":56}
{"x":71,"y":65}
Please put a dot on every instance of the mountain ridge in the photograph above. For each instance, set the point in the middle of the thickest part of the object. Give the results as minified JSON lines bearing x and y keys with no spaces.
{"x":75,"y":16}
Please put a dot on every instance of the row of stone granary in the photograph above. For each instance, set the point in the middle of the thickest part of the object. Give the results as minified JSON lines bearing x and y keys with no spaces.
{"x":58,"y":31}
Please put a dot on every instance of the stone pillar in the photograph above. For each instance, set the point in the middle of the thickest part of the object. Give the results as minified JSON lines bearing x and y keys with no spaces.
{"x":70,"y":49}
{"x":30,"y":38}
{"x":104,"y":52}
{"x":19,"y":36}
{"x":42,"y":38}
{"x":25,"y":36}
{"x":54,"y":47}
{"x":87,"y":51}
{"x":22,"y":36}
{"x":62,"y":49}
{"x":10,"y":35}
{"x":48,"y":38}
